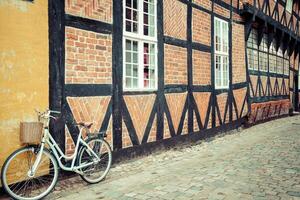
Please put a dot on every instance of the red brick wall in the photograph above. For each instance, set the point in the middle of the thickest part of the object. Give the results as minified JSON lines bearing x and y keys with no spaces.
{"x":176,"y":103}
{"x":203,"y":3}
{"x":140,"y":107}
{"x":175,"y":14}
{"x":175,"y":65}
{"x":221,"y":100}
{"x":201,"y":68}
{"x":239,"y":96}
{"x":202,"y":102}
{"x":88,"y":110}
{"x":88,"y":57}
{"x":94,"y":9}
{"x":261,"y":111}
{"x":238,"y":54}
{"x":88,"y":60}
{"x":221,"y":11}
{"x":201,"y":27}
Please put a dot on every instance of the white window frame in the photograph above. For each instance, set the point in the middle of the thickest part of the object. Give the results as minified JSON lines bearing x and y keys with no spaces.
{"x":289,"y":5}
{"x":141,"y":39}
{"x":221,"y":53}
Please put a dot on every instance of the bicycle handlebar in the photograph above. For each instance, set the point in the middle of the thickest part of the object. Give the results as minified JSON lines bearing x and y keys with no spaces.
{"x":47,"y":113}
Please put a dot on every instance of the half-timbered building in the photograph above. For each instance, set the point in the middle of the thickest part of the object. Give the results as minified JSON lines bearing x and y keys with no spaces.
{"x":152,"y":73}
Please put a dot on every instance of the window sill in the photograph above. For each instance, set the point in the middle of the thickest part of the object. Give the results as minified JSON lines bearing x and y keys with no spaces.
{"x":139,"y":92}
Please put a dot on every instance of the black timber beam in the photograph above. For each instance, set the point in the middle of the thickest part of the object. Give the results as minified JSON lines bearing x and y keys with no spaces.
{"x":88,"y":24}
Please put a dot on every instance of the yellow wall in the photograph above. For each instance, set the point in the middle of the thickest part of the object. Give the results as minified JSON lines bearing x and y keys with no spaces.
{"x":23,"y":67}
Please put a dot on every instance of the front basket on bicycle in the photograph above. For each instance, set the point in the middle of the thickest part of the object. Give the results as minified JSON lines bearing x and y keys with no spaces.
{"x":31,"y":132}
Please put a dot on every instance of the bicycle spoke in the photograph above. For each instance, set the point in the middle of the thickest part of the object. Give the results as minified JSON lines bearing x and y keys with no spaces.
{"x":20,"y":185}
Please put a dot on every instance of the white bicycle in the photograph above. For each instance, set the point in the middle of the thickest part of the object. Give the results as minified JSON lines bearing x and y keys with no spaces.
{"x":31,"y":172}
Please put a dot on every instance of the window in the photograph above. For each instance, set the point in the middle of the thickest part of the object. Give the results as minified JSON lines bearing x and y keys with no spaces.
{"x":263,"y":54}
{"x":279,"y":61}
{"x":221,"y":54}
{"x":286,"y":68}
{"x":272,"y":57}
{"x":252,"y":52}
{"x":252,"y":59}
{"x":289,"y":6}
{"x":140,"y":42}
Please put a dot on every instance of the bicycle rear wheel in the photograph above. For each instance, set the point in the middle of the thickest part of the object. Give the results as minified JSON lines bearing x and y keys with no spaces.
{"x":17,"y":180}
{"x":97,"y":171}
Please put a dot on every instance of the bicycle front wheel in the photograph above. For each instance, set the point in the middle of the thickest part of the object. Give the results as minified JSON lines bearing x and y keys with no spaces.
{"x":99,"y":169}
{"x":19,"y":181}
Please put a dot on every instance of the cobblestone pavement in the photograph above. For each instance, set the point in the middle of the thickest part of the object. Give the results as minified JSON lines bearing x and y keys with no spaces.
{"x":262,"y":162}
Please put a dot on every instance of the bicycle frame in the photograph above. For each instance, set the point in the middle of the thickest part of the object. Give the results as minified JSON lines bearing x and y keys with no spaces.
{"x":58,"y":153}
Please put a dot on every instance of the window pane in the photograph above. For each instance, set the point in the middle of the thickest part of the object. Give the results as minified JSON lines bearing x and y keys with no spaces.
{"x":128,"y":3}
{"x":225,"y":37}
{"x":135,"y":46}
{"x":286,"y":67}
{"x":131,"y":14}
{"x":135,"y":57}
{"x":255,"y":60}
{"x":135,"y":4}
{"x":152,"y":83}
{"x":128,"y":70}
{"x":149,"y":16}
{"x":128,"y":57}
{"x":149,"y":65}
{"x":128,"y":45}
{"x":128,"y":82}
{"x":146,"y":19}
{"x":250,"y":58}
{"x":128,"y":13}
{"x":135,"y":27}
{"x":131,"y":64}
{"x":225,"y":71}
{"x":151,"y":21}
{"x":279,"y":62}
{"x":289,"y":5}
{"x":146,"y":30}
{"x":272,"y":63}
{"x":218,"y":70}
{"x":128,"y":26}
{"x":134,"y":83}
{"x":221,"y":36}
{"x":135,"y":71}
{"x":151,"y":8}
{"x":217,"y":35}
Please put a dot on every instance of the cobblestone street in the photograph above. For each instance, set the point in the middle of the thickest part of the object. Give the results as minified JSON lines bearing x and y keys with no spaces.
{"x":262,"y":162}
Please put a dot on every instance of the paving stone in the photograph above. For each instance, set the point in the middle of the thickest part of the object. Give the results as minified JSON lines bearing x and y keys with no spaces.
{"x":261,"y":162}
{"x":294,"y":193}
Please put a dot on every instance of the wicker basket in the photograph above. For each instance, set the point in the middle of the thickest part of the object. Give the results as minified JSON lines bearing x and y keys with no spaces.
{"x":31,"y":132}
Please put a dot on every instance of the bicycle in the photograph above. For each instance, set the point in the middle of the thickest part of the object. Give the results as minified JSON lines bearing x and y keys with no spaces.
{"x":31,"y":172}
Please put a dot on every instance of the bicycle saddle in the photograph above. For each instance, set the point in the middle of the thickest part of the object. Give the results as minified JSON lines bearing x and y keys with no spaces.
{"x":88,"y":125}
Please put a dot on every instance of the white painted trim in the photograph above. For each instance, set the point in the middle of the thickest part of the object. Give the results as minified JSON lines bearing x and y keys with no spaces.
{"x":221,"y":53}
{"x":141,"y":39}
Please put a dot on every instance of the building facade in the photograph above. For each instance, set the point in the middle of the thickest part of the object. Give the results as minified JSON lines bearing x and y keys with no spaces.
{"x":151,"y":72}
